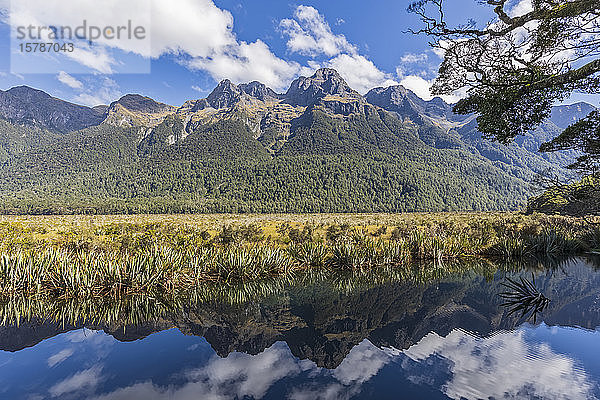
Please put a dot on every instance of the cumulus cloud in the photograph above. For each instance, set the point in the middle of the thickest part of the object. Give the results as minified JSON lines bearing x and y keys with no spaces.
{"x":242,"y":375}
{"x":238,"y":375}
{"x":331,"y":391}
{"x":204,"y":34}
{"x":419,"y":85}
{"x":196,"y":31}
{"x":310,"y":34}
{"x":422,"y":87}
{"x":199,"y":35}
{"x":503,"y":366}
{"x":97,"y":59}
{"x":85,"y":14}
{"x":520,"y":8}
{"x":359,"y":72}
{"x":364,"y":361}
{"x":195,"y":27}
{"x":246,"y":62}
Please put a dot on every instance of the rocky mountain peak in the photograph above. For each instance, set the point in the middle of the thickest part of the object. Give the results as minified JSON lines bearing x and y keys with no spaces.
{"x":226,"y":86}
{"x":325,"y":81}
{"x":259,"y":91}
{"x":437,"y":107}
{"x":26,"y":93}
{"x":29,"y":106}
{"x":396,"y":95}
{"x":324,"y":74}
{"x":143,"y":104}
{"x":407,"y":104}
{"x":398,"y":99}
{"x":137,"y":110}
{"x":226,"y":94}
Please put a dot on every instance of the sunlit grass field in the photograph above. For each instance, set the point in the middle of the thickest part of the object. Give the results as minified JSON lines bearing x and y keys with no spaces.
{"x":127,"y":231}
{"x":89,"y":256}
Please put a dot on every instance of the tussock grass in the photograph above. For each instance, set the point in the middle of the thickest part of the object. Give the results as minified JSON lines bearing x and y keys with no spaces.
{"x":85,"y":257}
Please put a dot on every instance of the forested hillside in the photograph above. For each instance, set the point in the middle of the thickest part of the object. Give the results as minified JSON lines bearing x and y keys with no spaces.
{"x":320,"y":147}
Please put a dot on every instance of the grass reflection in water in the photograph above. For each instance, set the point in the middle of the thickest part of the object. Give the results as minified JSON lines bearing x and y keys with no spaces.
{"x":139,"y":307}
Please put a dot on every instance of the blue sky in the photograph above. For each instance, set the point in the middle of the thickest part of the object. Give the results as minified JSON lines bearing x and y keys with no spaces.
{"x":196,"y":43}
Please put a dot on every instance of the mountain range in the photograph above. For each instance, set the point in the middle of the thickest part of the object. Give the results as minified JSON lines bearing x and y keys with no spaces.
{"x":319,"y":147}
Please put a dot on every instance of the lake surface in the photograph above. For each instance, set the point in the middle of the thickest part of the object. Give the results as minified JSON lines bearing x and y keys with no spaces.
{"x":450,"y":337}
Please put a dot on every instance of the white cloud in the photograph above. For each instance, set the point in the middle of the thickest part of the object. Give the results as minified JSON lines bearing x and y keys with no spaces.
{"x":83,"y":381}
{"x":310,"y":34}
{"x":199,"y":35}
{"x":359,"y":72}
{"x":198,"y":89}
{"x":331,"y":391}
{"x":60,"y":357}
{"x":503,"y":366}
{"x":105,"y":92}
{"x":195,"y":27}
{"x":361,"y":364}
{"x":113,"y":13}
{"x":149,"y":391}
{"x":242,"y":375}
{"x":422,"y":87}
{"x":204,"y":33}
{"x":97,"y":59}
{"x":246,"y":62}
{"x":197,"y":32}
{"x":238,"y":375}
{"x":414,"y":58}
{"x":522,"y":7}
{"x":69,"y":80}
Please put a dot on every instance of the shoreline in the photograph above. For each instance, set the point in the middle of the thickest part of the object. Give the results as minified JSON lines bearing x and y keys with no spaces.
{"x":91,"y":256}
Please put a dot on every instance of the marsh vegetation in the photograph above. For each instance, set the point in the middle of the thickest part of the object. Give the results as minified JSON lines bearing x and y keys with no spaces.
{"x":116,"y":256}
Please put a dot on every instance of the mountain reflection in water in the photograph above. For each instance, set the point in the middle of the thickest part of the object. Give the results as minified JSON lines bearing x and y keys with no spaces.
{"x":320,"y":339}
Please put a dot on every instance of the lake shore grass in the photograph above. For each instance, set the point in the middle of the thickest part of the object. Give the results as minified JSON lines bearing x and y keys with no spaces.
{"x":91,"y":256}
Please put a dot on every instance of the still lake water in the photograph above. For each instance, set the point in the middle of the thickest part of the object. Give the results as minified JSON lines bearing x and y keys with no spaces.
{"x":450,"y":338}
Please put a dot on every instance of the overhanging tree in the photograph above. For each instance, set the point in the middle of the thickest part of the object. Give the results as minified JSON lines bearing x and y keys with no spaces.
{"x":518,"y":65}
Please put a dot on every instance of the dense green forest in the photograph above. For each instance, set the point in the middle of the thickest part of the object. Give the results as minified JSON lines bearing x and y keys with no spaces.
{"x":321,"y":147}
{"x":368,"y":163}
